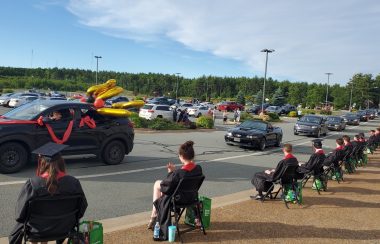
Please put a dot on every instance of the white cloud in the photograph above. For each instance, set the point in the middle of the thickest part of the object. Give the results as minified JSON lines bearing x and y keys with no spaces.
{"x":310,"y":37}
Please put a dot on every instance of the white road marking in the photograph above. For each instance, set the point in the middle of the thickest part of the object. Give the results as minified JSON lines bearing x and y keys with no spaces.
{"x":164,"y":167}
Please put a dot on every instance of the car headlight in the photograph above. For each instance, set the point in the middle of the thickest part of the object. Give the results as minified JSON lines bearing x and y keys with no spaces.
{"x":355,"y":120}
{"x":297,"y":125}
{"x":314,"y":127}
{"x":252,"y":137}
{"x":229,"y":133}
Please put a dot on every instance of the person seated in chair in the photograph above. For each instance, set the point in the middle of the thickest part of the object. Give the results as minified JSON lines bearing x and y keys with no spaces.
{"x":163,"y":189}
{"x":335,"y":156}
{"x":347,"y":148}
{"x":263,"y":180}
{"x":315,"y":161}
{"x":371,"y":139}
{"x":51,"y":180}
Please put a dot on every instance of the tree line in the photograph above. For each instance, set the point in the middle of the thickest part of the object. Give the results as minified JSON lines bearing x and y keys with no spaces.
{"x":361,"y":90}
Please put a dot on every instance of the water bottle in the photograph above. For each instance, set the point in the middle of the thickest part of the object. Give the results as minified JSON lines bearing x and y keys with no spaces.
{"x":156,"y":232}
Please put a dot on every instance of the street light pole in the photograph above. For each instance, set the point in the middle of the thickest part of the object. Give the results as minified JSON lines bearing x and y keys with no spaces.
{"x":327,"y":88}
{"x":176,"y":87}
{"x":265,"y":75}
{"x":350,"y":108}
{"x":97,"y":67}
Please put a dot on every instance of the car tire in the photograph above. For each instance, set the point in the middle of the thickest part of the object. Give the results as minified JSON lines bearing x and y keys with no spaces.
{"x":113,"y":153}
{"x":262,"y":144}
{"x":13,"y":157}
{"x":295,"y":133}
{"x":278,"y":142}
{"x":159,"y":116}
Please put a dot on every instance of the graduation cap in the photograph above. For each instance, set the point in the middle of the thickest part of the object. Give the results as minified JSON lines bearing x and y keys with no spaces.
{"x":317,"y":143}
{"x":50,"y":151}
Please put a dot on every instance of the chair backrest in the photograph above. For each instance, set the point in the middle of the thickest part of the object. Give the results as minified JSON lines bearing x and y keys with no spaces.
{"x":52,"y":217}
{"x":187,"y":190}
{"x":289,"y":175}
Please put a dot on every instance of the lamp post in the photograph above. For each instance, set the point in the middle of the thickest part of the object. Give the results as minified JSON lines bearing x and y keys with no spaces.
{"x":97,"y":67}
{"x":327,"y":88}
{"x":265,"y":75}
{"x":176,"y":87}
{"x":350,"y":108}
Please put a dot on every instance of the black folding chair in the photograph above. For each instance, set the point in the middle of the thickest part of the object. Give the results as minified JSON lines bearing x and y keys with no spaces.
{"x":288,"y":177}
{"x":57,"y":216}
{"x":186,"y":196}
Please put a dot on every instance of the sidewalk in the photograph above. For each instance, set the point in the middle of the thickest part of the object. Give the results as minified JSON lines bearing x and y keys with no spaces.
{"x":347,"y":213}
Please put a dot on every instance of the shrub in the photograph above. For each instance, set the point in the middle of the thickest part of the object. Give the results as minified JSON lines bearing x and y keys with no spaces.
{"x":163,"y":124}
{"x":326,"y":112}
{"x":292,"y":114}
{"x":264,"y":117}
{"x":138,"y":98}
{"x":245,"y":116}
{"x":273,"y":116}
{"x":8,"y":91}
{"x":138,"y":122}
{"x":205,"y":122}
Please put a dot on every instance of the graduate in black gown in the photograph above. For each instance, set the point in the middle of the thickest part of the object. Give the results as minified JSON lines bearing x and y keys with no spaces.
{"x":51,"y":179}
{"x":371,"y":138}
{"x":263,"y":180}
{"x":335,"y":156}
{"x":163,"y":189}
{"x":315,"y":162}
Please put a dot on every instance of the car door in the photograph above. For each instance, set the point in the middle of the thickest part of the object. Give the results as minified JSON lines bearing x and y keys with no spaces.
{"x":165,"y":112}
{"x":270,"y":134}
{"x":58,"y":127}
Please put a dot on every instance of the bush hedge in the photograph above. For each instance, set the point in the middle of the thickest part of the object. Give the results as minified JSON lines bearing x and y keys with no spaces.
{"x":205,"y":122}
{"x":326,"y":112}
{"x":245,"y":116}
{"x":293,"y":114}
{"x":273,"y":116}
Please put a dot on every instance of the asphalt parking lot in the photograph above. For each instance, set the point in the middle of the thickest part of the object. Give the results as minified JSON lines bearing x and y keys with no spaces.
{"x":127,"y":188}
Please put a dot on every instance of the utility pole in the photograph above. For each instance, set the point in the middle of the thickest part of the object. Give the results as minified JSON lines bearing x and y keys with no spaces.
{"x":327,"y":88}
{"x":176,"y":88}
{"x":97,"y":67}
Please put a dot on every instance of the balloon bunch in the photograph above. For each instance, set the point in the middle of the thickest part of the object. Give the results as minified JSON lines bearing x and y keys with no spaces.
{"x":98,"y":94}
{"x":103,"y":91}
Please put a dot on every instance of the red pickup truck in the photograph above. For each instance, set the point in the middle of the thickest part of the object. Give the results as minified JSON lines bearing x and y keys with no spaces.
{"x":230,"y":106}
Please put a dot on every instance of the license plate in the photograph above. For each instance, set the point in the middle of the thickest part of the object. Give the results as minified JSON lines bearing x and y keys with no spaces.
{"x":237,"y":139}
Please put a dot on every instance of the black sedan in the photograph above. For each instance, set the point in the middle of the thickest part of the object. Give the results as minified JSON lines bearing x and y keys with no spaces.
{"x":85,"y":131}
{"x":363,"y":115}
{"x":311,"y":125}
{"x":335,"y":123}
{"x":351,"y":119}
{"x":254,"y":133}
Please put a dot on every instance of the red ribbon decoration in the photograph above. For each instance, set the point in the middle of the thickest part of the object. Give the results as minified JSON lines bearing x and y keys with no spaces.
{"x":66,"y":135}
{"x":88,"y":121}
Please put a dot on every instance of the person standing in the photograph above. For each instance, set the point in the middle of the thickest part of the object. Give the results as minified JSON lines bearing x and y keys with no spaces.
{"x":238,"y":113}
{"x":225,"y":114}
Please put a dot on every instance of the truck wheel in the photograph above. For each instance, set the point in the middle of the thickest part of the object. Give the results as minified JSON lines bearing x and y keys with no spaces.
{"x":13,"y":157}
{"x":113,"y":153}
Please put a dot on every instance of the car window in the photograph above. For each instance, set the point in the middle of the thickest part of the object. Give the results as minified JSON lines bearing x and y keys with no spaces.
{"x":163,"y":108}
{"x":26,"y":112}
{"x":310,"y":119}
{"x":147,"y":107}
{"x":249,"y":125}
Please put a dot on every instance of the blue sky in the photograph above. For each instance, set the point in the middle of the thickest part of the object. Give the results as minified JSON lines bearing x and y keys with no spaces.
{"x":195,"y":38}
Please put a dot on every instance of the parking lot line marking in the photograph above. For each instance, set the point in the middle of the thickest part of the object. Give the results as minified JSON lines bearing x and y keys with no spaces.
{"x":164,"y":167}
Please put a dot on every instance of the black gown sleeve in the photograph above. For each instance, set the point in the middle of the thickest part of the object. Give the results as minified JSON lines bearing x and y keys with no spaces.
{"x":25,"y":195}
{"x":278,"y":171}
{"x":84,"y":204}
{"x":169,"y":184}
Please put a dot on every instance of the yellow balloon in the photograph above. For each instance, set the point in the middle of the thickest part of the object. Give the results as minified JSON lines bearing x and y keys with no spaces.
{"x":131,"y":104}
{"x":114,"y":112}
{"x":111,"y":92}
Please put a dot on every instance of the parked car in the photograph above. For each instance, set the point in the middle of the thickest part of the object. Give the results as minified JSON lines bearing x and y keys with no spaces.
{"x":160,"y":100}
{"x":311,"y":125}
{"x":351,"y":119}
{"x":254,"y":109}
{"x":4,"y":98}
{"x":335,"y":123}
{"x":253,"y":133}
{"x":111,"y":139}
{"x":185,"y":105}
{"x":16,"y":102}
{"x":152,"y":111}
{"x":198,"y":111}
{"x":116,"y":99}
{"x":372,"y":114}
{"x":288,"y":108}
{"x":274,"y":109}
{"x":363,"y":115}
{"x":230,"y":106}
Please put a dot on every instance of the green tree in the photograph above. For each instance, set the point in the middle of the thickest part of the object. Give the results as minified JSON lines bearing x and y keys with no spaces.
{"x":240,"y":98}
